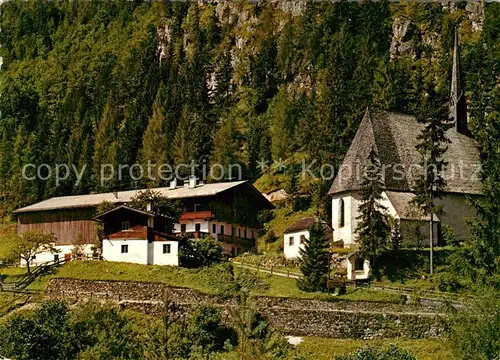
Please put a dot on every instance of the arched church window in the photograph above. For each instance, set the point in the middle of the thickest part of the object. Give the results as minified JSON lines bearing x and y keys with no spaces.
{"x":341,"y":212}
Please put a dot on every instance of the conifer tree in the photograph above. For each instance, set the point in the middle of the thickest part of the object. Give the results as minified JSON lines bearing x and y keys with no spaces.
{"x":433,"y":115}
{"x":183,"y":146}
{"x":226,"y":148}
{"x":373,"y":230}
{"x":481,"y":254}
{"x":106,"y":144}
{"x":154,"y":142}
{"x":315,"y":260}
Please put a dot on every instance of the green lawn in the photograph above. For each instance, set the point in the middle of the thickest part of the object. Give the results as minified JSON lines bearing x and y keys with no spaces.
{"x":286,"y":287}
{"x":325,"y":349}
{"x":211,"y":280}
{"x":7,"y":239}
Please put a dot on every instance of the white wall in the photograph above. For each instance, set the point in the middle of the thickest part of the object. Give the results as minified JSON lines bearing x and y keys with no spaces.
{"x":346,"y":232}
{"x":352,"y":201}
{"x":456,"y":212}
{"x":353,"y":274}
{"x":292,"y":251}
{"x":191,"y":226}
{"x":137,"y":251}
{"x":159,"y":258}
{"x":63,"y":250}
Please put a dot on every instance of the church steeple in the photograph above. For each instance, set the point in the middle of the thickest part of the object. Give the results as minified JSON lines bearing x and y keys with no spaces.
{"x":458,"y":105}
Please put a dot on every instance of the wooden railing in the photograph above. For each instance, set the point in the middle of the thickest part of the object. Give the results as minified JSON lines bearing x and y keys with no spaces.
{"x":21,"y":285}
{"x":236,"y":240}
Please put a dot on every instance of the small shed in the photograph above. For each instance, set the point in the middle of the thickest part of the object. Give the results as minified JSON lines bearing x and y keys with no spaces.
{"x":358,"y":267}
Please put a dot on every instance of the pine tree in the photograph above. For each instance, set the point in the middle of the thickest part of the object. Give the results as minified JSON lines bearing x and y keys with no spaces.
{"x":183,"y":145}
{"x":373,"y":228}
{"x":154,"y":143}
{"x":482,"y":252}
{"x":226,"y":149}
{"x":106,"y":146}
{"x":433,"y":115}
{"x":315,"y":260}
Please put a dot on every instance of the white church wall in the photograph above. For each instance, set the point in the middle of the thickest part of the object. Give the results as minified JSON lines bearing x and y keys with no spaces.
{"x":352,"y":201}
{"x":456,"y":212}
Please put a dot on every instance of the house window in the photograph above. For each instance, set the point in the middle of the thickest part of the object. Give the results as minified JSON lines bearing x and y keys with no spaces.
{"x":214,"y":228}
{"x":239,"y":232}
{"x":245,"y":233}
{"x":166,"y":248}
{"x":302,"y":239}
{"x":124,"y":249}
{"x":197,"y":227}
{"x":197,"y":207}
{"x":183,"y":228}
{"x":341,"y":213}
{"x":290,"y":241}
{"x":125,"y":225}
{"x":253,"y":235}
{"x":56,"y":257}
{"x":222,"y":229}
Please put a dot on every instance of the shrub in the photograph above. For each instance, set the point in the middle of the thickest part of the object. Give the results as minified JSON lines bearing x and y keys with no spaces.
{"x":47,"y":329}
{"x":475,"y":329}
{"x":200,"y":252}
{"x":369,"y":353}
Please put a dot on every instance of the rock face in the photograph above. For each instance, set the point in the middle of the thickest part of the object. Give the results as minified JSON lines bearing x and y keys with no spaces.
{"x":298,"y":317}
{"x":400,"y":46}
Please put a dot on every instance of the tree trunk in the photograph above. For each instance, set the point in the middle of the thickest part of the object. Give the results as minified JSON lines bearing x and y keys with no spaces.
{"x":28,"y":265}
{"x":431,"y":235}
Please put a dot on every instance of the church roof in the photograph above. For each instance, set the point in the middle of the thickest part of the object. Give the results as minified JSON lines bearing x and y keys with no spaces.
{"x":394,"y":137}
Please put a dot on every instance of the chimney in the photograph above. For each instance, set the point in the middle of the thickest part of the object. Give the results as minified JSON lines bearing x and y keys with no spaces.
{"x":192,"y":182}
{"x":458,"y":105}
{"x":173,"y":184}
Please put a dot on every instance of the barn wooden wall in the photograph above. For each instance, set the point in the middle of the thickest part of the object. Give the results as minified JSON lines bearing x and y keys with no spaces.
{"x":65,"y":224}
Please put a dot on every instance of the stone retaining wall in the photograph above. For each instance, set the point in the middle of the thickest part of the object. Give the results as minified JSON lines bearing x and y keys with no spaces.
{"x":301,"y":317}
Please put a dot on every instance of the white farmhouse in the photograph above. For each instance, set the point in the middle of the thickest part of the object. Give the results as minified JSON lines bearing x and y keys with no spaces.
{"x":224,"y":211}
{"x":137,"y":236}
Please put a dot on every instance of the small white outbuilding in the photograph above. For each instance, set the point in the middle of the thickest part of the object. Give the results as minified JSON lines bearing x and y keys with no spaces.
{"x":296,"y":234}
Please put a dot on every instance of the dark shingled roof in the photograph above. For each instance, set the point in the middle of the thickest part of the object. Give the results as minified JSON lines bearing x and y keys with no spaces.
{"x":305,"y":224}
{"x":394,"y":137}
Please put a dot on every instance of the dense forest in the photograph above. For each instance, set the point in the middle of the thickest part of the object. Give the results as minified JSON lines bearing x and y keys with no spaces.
{"x":124,"y":82}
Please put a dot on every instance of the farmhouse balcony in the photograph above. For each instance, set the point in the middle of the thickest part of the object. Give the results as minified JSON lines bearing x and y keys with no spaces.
{"x":197,"y":215}
{"x":236,"y":240}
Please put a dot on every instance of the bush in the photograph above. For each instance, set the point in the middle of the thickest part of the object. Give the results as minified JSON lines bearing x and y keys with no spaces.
{"x":369,"y":353}
{"x":269,"y":260}
{"x":48,"y":330}
{"x":200,"y":252}
{"x":475,"y":329}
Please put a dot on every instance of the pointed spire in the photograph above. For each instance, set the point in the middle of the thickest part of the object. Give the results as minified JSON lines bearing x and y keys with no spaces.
{"x":456,"y":90}
{"x":458,"y":106}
